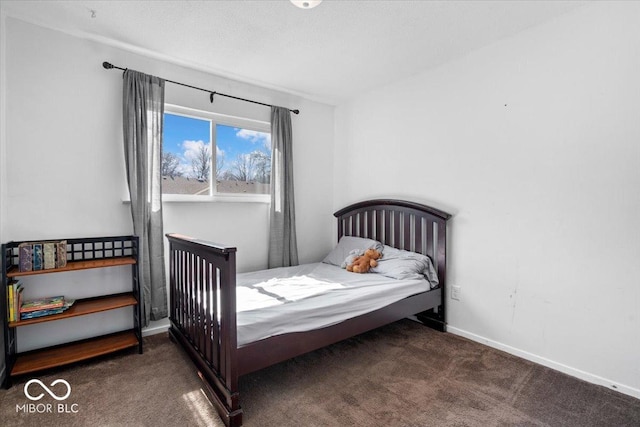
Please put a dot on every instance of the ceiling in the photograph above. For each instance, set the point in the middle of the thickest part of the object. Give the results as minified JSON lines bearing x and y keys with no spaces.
{"x":330,"y":53}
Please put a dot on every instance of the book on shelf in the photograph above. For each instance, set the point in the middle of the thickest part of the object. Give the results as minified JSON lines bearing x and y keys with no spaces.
{"x":42,"y":304}
{"x":10,"y":305}
{"x":49,"y":249}
{"x":42,"y":255}
{"x":61,"y":254}
{"x":24,"y":315}
{"x":38,"y":261}
{"x":25,"y":257}
{"x":14,"y":300}
{"x":40,"y":313}
{"x":18,"y":301}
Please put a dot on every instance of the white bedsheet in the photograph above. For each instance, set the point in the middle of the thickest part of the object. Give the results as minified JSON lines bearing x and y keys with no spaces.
{"x":311,"y":296}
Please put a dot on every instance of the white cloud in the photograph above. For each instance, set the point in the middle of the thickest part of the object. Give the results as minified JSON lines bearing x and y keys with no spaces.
{"x":255,"y":136}
{"x":190,"y":150}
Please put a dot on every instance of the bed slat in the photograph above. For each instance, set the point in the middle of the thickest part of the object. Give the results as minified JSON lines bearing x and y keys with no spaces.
{"x":379,"y":225}
{"x":429,"y":242}
{"x":418,"y":236}
{"x":407,"y":231}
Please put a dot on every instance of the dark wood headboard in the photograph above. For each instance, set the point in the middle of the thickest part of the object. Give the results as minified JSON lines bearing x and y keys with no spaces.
{"x":400,"y":224}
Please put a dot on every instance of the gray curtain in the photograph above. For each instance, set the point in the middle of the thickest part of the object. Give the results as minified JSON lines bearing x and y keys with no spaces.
{"x":283,"y":248}
{"x":143,"y":111}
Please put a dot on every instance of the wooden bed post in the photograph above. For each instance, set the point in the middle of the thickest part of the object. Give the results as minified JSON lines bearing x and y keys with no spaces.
{"x":433,"y":318}
{"x":229,"y":339}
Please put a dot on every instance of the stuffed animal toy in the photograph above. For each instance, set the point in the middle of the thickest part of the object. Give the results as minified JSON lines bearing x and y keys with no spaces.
{"x":363,"y":263}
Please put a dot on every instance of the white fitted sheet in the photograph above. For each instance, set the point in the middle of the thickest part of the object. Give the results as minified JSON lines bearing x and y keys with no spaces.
{"x":311,"y":296}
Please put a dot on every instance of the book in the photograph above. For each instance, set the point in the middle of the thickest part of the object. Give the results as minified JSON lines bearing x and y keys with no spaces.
{"x":37,"y":256}
{"x":15,"y":298}
{"x":42,"y":304}
{"x":42,"y":255}
{"x":11,"y":312}
{"x":47,"y":312}
{"x":49,"y":249}
{"x":18,"y":300}
{"x":61,"y":254}
{"x":25,"y":257}
{"x":40,"y":313}
{"x":13,"y":294}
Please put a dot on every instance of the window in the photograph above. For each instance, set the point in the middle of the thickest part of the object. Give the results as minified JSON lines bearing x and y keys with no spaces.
{"x":207,"y":155}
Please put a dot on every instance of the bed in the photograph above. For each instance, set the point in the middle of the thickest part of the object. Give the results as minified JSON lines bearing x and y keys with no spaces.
{"x":214,"y":318}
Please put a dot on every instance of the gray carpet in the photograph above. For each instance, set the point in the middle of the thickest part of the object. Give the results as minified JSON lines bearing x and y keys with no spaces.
{"x":401,"y":375}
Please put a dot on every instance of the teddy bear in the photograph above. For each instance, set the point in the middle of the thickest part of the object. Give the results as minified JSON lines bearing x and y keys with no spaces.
{"x":362,"y":264}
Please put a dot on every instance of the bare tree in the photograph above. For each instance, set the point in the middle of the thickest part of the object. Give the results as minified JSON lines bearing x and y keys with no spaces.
{"x":254,"y":166}
{"x":201,"y":163}
{"x":219,"y":165}
{"x":170,"y":164}
{"x":262,"y":166}
{"x":242,"y":168}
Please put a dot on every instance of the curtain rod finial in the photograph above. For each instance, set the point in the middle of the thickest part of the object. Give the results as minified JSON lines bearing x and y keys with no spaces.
{"x":295,"y":111}
{"x":107,"y":65}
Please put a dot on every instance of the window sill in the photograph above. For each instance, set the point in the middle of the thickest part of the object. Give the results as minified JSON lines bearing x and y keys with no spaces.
{"x":218,"y":198}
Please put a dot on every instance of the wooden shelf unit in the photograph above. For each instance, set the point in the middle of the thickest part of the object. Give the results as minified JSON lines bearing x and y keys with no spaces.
{"x":82,"y":254}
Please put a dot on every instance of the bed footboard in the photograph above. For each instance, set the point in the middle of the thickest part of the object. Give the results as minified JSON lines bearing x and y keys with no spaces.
{"x":202,"y":280}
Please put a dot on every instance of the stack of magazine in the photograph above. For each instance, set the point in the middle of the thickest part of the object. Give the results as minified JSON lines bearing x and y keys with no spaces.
{"x":44,"y":307}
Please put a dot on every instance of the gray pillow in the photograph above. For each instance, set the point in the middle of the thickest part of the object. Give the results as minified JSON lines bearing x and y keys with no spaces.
{"x":349,"y":245}
{"x":400,"y":264}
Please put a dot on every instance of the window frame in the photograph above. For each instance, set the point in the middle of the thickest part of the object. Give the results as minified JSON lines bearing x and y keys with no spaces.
{"x":215,"y":119}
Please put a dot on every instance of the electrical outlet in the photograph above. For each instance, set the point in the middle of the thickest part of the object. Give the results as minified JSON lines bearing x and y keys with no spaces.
{"x":455,"y":293}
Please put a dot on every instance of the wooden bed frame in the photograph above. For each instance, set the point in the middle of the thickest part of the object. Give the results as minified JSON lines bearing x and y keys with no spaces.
{"x":203,"y":298}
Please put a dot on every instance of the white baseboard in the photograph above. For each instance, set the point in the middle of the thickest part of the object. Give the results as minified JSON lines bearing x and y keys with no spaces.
{"x":586,"y":376}
{"x":155,"y":329}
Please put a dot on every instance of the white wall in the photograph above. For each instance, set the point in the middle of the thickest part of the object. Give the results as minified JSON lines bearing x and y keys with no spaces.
{"x":533,"y":144}
{"x":65,"y":165}
{"x":3,"y":180}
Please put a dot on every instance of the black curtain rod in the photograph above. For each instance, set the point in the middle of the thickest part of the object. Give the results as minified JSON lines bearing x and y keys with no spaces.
{"x":109,"y":66}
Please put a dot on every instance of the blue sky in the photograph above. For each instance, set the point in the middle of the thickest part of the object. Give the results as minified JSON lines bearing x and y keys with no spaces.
{"x":184,"y":135}
{"x":177,"y":129}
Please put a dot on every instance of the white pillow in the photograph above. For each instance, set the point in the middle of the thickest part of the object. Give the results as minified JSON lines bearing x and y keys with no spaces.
{"x":400,"y":264}
{"x":350,"y":245}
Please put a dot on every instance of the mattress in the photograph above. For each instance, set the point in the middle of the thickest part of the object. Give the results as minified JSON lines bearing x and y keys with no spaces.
{"x":311,"y":296}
